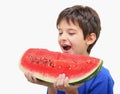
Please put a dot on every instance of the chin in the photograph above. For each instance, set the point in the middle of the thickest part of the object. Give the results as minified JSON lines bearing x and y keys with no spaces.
{"x":68,"y":52}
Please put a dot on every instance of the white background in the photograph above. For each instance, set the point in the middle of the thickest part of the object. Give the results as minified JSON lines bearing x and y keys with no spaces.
{"x":32,"y":24}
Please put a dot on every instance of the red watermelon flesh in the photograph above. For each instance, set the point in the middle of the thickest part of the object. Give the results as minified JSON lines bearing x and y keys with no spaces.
{"x":46,"y":65}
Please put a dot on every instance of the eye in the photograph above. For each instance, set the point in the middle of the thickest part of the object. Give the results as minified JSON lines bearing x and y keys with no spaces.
{"x":60,"y":33}
{"x":71,"y":33}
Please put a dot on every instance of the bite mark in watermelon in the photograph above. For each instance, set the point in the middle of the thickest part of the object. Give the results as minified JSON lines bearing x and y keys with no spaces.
{"x":46,"y":65}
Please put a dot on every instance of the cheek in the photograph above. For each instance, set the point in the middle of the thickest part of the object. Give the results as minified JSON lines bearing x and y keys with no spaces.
{"x":78,"y":42}
{"x":75,"y":40}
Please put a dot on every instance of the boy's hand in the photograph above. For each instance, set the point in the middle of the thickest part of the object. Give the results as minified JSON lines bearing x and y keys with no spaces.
{"x":62,"y":83}
{"x":34,"y":80}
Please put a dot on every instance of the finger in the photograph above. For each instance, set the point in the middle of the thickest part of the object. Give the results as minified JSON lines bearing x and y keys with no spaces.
{"x":59,"y":83}
{"x":29,"y":77}
{"x":66,"y":82}
{"x":61,"y":80}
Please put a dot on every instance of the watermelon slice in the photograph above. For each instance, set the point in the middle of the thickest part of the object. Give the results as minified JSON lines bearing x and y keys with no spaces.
{"x":46,"y":65}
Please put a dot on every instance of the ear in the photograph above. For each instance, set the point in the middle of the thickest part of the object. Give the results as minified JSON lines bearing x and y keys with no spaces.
{"x":90,"y":39}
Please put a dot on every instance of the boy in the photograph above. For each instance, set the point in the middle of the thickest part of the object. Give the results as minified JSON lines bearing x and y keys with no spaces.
{"x":79,"y":29}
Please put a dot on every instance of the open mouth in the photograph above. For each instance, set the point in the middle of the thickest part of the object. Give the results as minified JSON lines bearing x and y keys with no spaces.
{"x":66,"y":47}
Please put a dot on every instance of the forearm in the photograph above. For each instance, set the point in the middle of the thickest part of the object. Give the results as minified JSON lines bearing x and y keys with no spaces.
{"x":52,"y":90}
{"x":72,"y":92}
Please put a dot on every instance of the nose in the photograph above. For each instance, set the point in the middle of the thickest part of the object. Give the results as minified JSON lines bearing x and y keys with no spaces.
{"x":64,"y":37}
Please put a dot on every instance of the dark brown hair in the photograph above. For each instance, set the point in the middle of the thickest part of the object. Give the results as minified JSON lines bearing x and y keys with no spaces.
{"x":86,"y":17}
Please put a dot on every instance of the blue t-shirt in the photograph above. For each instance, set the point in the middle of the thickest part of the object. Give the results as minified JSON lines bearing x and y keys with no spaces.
{"x":102,"y":83}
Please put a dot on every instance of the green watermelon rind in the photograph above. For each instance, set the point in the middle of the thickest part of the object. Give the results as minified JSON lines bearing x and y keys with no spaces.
{"x":74,"y":81}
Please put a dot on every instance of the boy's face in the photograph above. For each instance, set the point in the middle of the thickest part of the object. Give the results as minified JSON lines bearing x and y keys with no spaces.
{"x":71,"y":39}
